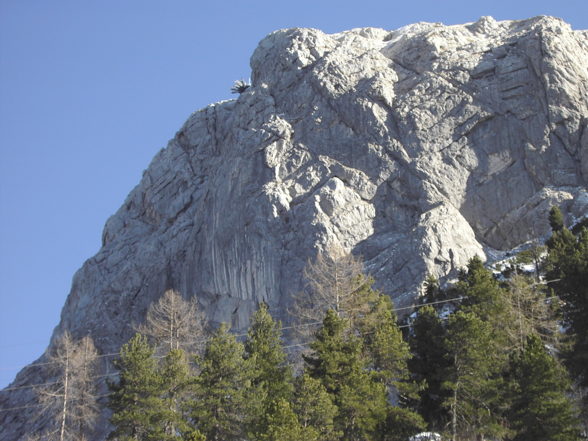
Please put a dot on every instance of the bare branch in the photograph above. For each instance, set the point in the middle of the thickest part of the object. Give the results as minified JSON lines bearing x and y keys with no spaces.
{"x":71,"y":400}
{"x":332,"y":282}
{"x":174,"y":323}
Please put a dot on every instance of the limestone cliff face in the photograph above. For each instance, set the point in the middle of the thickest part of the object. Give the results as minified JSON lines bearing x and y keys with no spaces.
{"x":415,"y":148}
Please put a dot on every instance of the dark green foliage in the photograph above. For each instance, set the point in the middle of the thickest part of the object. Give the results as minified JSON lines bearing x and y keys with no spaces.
{"x":401,"y":424}
{"x":577,"y":228}
{"x":175,"y":376}
{"x":433,"y":290}
{"x":470,"y":378}
{"x":429,"y":365}
{"x":337,"y":362}
{"x":362,"y":407}
{"x":533,"y":255}
{"x":482,"y":294}
{"x":135,"y":400}
{"x":567,"y":273}
{"x":361,"y":359}
{"x":219,"y":405}
{"x":315,"y":409}
{"x":556,"y":220}
{"x":385,"y":348}
{"x":271,"y":377}
{"x":283,"y":425}
{"x":335,"y":355}
{"x":488,"y":302}
{"x":148,"y":400}
{"x":463,"y":375}
{"x":541,"y":409}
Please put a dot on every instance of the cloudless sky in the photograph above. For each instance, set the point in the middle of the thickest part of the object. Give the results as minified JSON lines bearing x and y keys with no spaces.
{"x":91,"y":90}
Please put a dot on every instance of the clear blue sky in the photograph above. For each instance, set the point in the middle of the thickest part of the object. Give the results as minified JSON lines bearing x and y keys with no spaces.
{"x":91,"y":90}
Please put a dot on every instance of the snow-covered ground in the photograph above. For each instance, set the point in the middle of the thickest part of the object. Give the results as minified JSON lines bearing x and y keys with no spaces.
{"x":425,"y":436}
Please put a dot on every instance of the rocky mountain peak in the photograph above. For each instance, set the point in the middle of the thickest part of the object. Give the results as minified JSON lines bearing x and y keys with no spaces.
{"x":416,"y":148}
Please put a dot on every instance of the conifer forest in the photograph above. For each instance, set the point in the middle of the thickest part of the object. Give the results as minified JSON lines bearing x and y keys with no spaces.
{"x":500,"y":354}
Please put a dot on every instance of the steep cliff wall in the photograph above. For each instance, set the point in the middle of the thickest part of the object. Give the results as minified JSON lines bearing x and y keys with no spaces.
{"x":415,"y":148}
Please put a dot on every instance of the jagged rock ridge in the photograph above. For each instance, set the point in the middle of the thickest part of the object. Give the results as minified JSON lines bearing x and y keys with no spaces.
{"x":416,"y":148}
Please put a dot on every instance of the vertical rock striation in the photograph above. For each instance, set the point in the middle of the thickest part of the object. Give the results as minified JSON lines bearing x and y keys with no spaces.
{"x":416,"y":148}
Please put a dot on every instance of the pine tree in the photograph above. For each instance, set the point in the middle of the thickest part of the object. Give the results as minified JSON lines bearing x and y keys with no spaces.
{"x":338,"y":363}
{"x":567,"y":274}
{"x":271,"y":378}
{"x":556,"y":220}
{"x":433,"y":291}
{"x":219,"y":407}
{"x":541,"y":409}
{"x":429,"y":365}
{"x":283,"y":425}
{"x":470,"y":377}
{"x":387,"y":356}
{"x":386,"y":352}
{"x":534,"y":255}
{"x":315,"y":409}
{"x":483,"y":296}
{"x":400,"y":425}
{"x":175,"y":376}
{"x":135,"y":399}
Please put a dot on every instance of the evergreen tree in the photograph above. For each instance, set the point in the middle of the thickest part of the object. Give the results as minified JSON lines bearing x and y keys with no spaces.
{"x":387,"y":355}
{"x":175,"y":375}
{"x":429,"y":365}
{"x":567,"y":273}
{"x":283,"y":425}
{"x":556,"y":220}
{"x":433,"y":291}
{"x":335,"y":354}
{"x":400,"y":425}
{"x":271,"y":377}
{"x":315,"y":409}
{"x":218,"y":407}
{"x":541,"y":409}
{"x":533,"y":255}
{"x":362,"y":407}
{"x":386,"y":351}
{"x":338,"y":363}
{"x":483,"y":296}
{"x":470,"y":379}
{"x":135,"y":399}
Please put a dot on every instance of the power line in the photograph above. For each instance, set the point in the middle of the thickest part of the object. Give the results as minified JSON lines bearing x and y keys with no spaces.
{"x":420,"y":305}
{"x":28,"y":386}
{"x":414,"y":306}
{"x":116,"y":373}
{"x":45,"y":363}
{"x":20,"y":407}
{"x":31,"y":406}
{"x":203,"y":340}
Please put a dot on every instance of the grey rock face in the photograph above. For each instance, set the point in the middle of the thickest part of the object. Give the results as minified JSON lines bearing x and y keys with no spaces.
{"x":415,"y":148}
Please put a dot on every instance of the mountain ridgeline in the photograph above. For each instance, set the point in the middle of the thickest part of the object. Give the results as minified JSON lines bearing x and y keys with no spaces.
{"x":416,"y":149}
